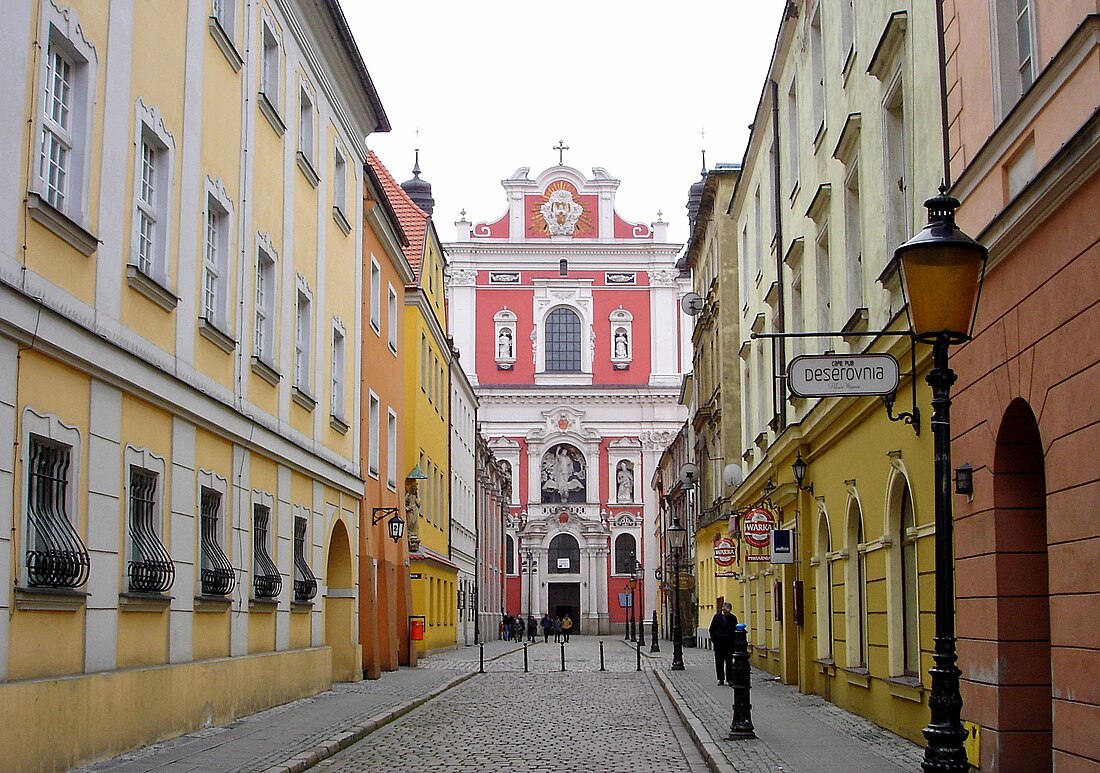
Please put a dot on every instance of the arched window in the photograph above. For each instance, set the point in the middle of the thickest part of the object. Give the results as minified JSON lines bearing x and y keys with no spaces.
{"x":856,"y":582}
{"x":824,"y":591}
{"x":563,"y":341}
{"x":565,"y":555}
{"x":909,"y":603}
{"x":625,"y":553}
{"x":509,"y":554}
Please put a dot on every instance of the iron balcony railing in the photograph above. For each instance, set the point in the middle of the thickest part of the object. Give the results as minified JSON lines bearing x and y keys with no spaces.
{"x":151,"y":570}
{"x":305,"y":583}
{"x":216,"y":576}
{"x":266,"y":582}
{"x":56,"y":556}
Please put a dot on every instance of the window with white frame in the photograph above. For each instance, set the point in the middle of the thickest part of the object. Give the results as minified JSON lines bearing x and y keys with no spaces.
{"x":391,"y":318}
{"x":391,"y":448}
{"x":373,"y":420}
{"x":1014,"y":51}
{"x":823,"y":578}
{"x":149,"y":567}
{"x":306,"y":124}
{"x":270,"y":64}
{"x":758,"y":236}
{"x":793,"y":138}
{"x":563,"y":340}
{"x":423,"y":363}
{"x":224,"y":13}
{"x":152,"y":192}
{"x":303,"y":336}
{"x":375,"y":295}
{"x":339,"y":181}
{"x":305,"y":582}
{"x":264,"y":306}
{"x":216,"y":575}
{"x":847,"y":30}
{"x":55,"y":554}
{"x":215,"y":257}
{"x":337,"y":391}
{"x":853,"y":239}
{"x":817,"y":73}
{"x":896,"y":166}
{"x":824,"y":279}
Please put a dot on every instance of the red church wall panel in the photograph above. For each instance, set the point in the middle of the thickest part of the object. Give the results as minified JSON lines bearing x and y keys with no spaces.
{"x":490,"y":301}
{"x":637,"y":303}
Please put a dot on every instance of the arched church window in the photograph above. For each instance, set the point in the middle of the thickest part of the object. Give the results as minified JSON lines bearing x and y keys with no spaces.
{"x":626,"y":553}
{"x":565,"y":555}
{"x":563,"y":341}
{"x":509,"y":554}
{"x":563,"y":475}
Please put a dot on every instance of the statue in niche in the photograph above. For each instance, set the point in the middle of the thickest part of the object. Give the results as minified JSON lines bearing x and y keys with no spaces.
{"x":622,"y":348}
{"x":624,"y":481}
{"x":563,"y":475}
{"x":412,"y":515}
{"x":506,"y":478}
{"x":504,"y":344}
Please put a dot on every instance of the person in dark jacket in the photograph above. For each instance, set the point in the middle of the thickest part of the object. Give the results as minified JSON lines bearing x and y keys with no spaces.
{"x":721,"y":637}
{"x":517,"y":629}
{"x":547,"y":626}
{"x":506,"y":627}
{"x":532,"y":628}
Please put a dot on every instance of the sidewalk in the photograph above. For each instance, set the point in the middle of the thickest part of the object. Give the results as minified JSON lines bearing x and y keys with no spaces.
{"x":795,"y":732}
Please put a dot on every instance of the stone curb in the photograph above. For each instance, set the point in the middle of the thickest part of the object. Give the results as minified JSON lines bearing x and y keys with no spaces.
{"x":714,"y":757}
{"x":337,"y":743}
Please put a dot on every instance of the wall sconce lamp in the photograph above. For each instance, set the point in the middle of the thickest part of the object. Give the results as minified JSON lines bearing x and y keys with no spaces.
{"x":911,"y":417}
{"x":799,"y":469}
{"x":394,"y":525}
{"x":964,"y":480}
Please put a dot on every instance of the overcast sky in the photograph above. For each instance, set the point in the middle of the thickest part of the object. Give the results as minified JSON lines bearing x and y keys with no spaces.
{"x":492,"y":85}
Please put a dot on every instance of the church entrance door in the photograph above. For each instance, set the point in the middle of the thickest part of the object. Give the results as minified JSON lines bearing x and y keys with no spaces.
{"x":565,"y":598}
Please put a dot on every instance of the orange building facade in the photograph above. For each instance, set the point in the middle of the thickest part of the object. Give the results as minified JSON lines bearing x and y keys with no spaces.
{"x":1023,"y":85}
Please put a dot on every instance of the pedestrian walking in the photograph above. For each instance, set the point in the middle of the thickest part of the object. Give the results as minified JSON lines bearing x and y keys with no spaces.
{"x":566,"y":626}
{"x":532,"y":628}
{"x":557,"y":629}
{"x":517,"y":629}
{"x":547,"y":626}
{"x":507,"y":627}
{"x":721,"y":638}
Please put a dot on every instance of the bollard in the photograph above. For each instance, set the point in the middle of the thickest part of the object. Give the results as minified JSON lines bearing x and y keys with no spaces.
{"x":741,"y":726}
{"x":481,"y":666}
{"x":638,"y":647}
{"x":655,"y":647}
{"x":525,"y":657}
{"x":601,"y":656}
{"x":641,"y":629}
{"x":562,"y":657}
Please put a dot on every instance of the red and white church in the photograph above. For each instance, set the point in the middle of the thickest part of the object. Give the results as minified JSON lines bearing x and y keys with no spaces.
{"x":566,"y":317}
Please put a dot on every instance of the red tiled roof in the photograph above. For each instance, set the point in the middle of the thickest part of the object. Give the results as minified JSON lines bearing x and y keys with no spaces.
{"x":414,"y":220}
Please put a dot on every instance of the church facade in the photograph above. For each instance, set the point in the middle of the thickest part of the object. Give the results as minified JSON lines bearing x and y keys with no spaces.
{"x":567,"y":320}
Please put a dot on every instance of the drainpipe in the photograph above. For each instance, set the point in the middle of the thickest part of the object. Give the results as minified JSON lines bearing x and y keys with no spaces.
{"x":943,"y":94}
{"x":779,"y":345}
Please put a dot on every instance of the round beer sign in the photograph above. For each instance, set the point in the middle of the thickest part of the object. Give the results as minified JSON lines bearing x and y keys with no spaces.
{"x":725,"y":552}
{"x":757,"y":527}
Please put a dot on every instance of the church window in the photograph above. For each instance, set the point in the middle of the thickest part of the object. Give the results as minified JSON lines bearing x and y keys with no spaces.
{"x":626,"y":553}
{"x":565,"y":555}
{"x":563,"y":341}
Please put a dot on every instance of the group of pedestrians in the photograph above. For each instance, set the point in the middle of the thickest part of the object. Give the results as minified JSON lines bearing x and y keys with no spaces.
{"x":512,"y":628}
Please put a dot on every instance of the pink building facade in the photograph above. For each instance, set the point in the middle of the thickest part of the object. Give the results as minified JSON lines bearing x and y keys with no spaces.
{"x":567,"y":321}
{"x":1023,"y":81}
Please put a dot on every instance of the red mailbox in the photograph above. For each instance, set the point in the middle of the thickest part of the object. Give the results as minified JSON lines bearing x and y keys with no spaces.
{"x":416,"y":628}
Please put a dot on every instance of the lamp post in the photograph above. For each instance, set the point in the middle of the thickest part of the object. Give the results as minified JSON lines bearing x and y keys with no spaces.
{"x":633,"y":590}
{"x":942,"y":270}
{"x":530,"y":578}
{"x":677,"y":537}
{"x":641,"y":604}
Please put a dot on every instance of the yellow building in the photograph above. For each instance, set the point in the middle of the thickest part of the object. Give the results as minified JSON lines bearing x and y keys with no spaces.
{"x":179,"y":327}
{"x":427,"y":430}
{"x":845,"y":146}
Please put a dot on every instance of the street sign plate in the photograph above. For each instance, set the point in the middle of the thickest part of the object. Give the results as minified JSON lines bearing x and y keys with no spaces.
{"x":849,"y":375}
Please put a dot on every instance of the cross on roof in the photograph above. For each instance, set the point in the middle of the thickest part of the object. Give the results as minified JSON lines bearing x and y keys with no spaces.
{"x":561,"y":147}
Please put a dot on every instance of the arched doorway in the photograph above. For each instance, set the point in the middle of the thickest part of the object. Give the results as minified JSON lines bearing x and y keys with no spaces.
{"x":340,"y":607}
{"x":1023,"y":716}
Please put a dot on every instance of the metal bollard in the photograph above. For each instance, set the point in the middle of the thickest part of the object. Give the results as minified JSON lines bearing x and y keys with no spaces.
{"x":481,"y":666}
{"x":638,"y":647}
{"x":562,"y":657}
{"x":741,"y":726}
{"x":525,"y":657}
{"x":601,"y":656}
{"x":655,"y":647}
{"x":641,"y":629}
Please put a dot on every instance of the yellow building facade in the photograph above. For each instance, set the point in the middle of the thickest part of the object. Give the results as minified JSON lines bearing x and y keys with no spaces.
{"x":179,"y":327}
{"x":845,"y":147}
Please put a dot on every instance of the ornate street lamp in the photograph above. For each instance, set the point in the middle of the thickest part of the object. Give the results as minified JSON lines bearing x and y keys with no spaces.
{"x":942,"y":270}
{"x":677,"y":538}
{"x":639,"y":573}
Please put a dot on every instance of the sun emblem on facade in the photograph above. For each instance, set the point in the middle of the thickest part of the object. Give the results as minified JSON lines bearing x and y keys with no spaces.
{"x":559,"y":211}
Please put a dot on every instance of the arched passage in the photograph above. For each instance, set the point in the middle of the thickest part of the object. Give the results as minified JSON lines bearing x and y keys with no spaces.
{"x":1023,"y":720}
{"x":340,"y":607}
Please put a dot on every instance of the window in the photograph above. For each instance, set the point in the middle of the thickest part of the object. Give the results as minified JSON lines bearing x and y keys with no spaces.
{"x":391,"y":320}
{"x":373,"y":429}
{"x":376,"y":296}
{"x":269,"y":65}
{"x":423,"y":363}
{"x":265,"y":307}
{"x":817,"y":73}
{"x":897,"y":205}
{"x":626,"y":553}
{"x":792,"y":137}
{"x":824,"y":595}
{"x":302,"y":338}
{"x":224,"y":13}
{"x":152,"y":190}
{"x":339,"y":182}
{"x":149,"y":568}
{"x":215,"y":572}
{"x":305,"y":125}
{"x":213,"y":309}
{"x":563,"y":341}
{"x":856,"y":582}
{"x":56,"y":556}
{"x":847,"y":30}
{"x":337,"y":395}
{"x":305,"y":582}
{"x":853,"y":240}
{"x":824,"y":282}
{"x":1024,"y":54}
{"x":266,"y":582}
{"x":758,"y":235}
{"x":1014,"y":41}
{"x":564,"y":555}
{"x":391,"y":449}
{"x":909,"y":601}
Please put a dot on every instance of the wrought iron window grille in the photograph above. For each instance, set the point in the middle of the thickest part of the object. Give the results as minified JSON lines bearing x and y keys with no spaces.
{"x":150,"y":569}
{"x":266,"y":582}
{"x":216,"y":576}
{"x":56,"y":556}
{"x":305,"y":583}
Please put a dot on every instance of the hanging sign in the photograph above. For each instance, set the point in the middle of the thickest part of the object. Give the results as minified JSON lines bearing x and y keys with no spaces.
{"x":725,"y":551}
{"x":757,"y":527}
{"x":849,"y":375}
